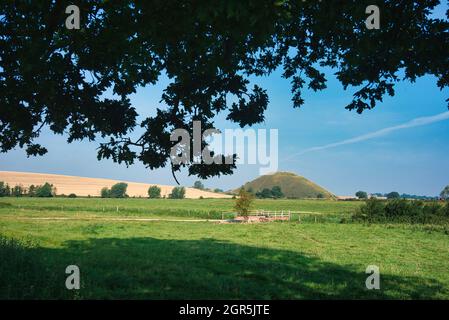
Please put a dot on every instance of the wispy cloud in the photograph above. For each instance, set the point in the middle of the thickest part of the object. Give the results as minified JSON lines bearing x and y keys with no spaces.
{"x":411,"y":124}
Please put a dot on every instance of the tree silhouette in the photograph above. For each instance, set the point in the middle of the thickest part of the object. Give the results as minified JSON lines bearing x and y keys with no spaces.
{"x":445,"y":193}
{"x":361,"y":195}
{"x":56,"y":78}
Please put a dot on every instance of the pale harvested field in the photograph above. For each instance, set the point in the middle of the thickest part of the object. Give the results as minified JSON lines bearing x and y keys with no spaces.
{"x":82,"y":186}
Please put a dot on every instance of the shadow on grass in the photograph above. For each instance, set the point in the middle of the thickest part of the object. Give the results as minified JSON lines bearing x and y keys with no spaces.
{"x":149,"y":268}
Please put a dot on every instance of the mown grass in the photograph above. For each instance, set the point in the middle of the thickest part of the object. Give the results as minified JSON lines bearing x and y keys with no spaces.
{"x":186,"y":260}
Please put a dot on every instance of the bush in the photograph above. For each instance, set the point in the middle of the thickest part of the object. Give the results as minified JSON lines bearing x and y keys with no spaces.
{"x":198,"y":185}
{"x":393,"y":195}
{"x":154,"y":192}
{"x":105,"y":192}
{"x":445,"y":193}
{"x":17,"y":191}
{"x":45,"y":191}
{"x":372,"y":210}
{"x":32,"y":191}
{"x":72,"y":195}
{"x":177,"y":193}
{"x":5,"y":190}
{"x":402,"y":211}
{"x":361,"y":195}
{"x":397,"y":208}
{"x":266,"y":193}
{"x":118,"y":190}
{"x":446,"y":209}
{"x":243,"y":202}
{"x":276,"y":192}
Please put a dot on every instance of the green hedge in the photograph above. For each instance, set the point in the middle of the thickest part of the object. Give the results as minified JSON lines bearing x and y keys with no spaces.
{"x":403,"y":211}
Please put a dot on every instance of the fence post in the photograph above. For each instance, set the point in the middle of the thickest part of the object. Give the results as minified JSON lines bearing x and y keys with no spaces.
{"x":117,"y":208}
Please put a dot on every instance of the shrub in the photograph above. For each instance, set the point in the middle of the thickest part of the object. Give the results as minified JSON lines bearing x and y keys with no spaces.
{"x":72,"y":195}
{"x":446,"y":209}
{"x":361,"y":195}
{"x":198,"y":185}
{"x":393,"y":195}
{"x":105,"y":192}
{"x":397,"y":208}
{"x":445,"y":193}
{"x":404,"y":211}
{"x":276,"y":192}
{"x":17,"y":191}
{"x":154,"y":192}
{"x":118,"y":190}
{"x":177,"y":193}
{"x":264,"y":194}
{"x":243,"y":202}
{"x":5,"y":190}
{"x":372,"y":210}
{"x":45,"y":191}
{"x":32,"y":191}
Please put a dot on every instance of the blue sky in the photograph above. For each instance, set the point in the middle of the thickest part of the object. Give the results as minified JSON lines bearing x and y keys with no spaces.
{"x":412,"y":160}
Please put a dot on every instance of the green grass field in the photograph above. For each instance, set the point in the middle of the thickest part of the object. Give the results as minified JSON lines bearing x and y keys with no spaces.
{"x":159,"y":208}
{"x":207,"y":260}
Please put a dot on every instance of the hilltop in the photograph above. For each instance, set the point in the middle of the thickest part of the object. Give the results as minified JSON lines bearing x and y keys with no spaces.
{"x":82,"y":186}
{"x":292,"y":185}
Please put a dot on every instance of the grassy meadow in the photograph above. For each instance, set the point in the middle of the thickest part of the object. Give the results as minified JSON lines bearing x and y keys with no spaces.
{"x":306,"y":259}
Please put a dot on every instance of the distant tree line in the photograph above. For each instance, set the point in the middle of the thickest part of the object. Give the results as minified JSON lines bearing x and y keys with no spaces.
{"x":45,"y":190}
{"x":118,"y":190}
{"x":200,"y":186}
{"x":396,"y":195}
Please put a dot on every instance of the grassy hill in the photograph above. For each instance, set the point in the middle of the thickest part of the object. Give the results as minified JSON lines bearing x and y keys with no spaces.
{"x":292,"y":185}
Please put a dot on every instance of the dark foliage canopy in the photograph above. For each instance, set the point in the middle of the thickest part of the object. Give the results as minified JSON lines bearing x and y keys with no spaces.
{"x":52,"y":77}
